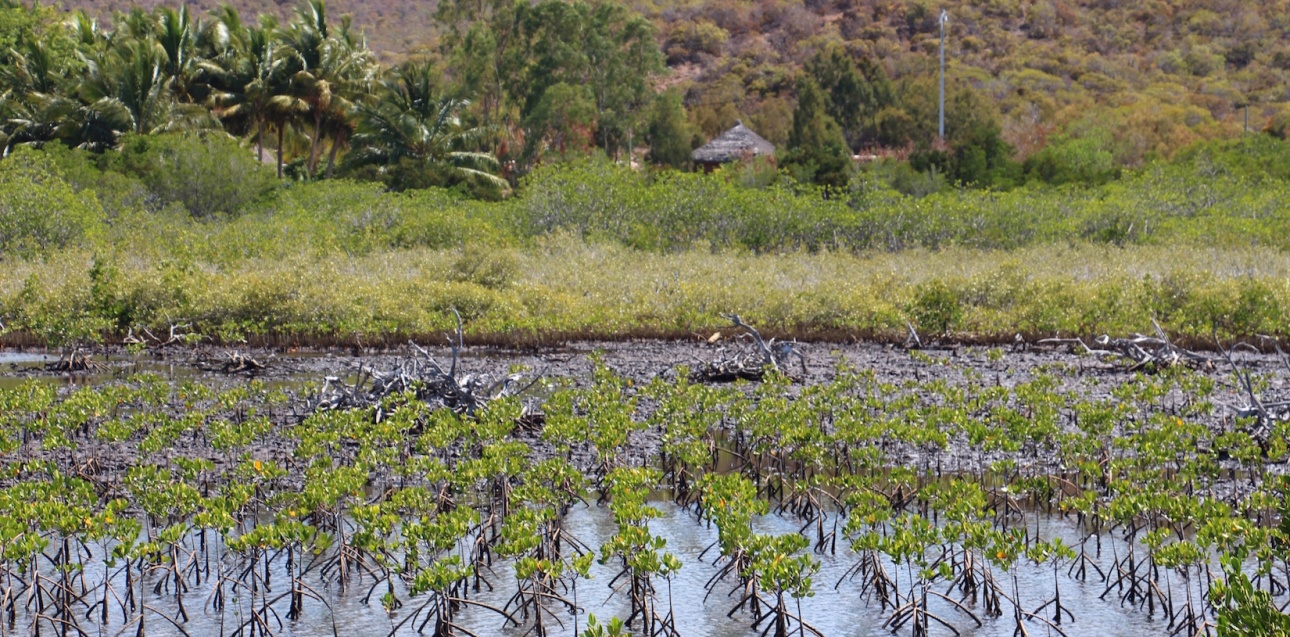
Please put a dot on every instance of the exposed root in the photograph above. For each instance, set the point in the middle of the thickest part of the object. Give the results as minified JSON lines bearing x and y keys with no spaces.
{"x":77,"y":360}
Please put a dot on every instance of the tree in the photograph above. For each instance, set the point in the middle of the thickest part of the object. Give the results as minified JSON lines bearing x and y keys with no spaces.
{"x":621,"y":55}
{"x":604,"y":50}
{"x":176,"y":36}
{"x":332,"y":70}
{"x":817,"y":151}
{"x":565,"y":115}
{"x":411,"y":121}
{"x":247,"y":75}
{"x":130,"y":75}
{"x":855,"y":93}
{"x":668,"y":132}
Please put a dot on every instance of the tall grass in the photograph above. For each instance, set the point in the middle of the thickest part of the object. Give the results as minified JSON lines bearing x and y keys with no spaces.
{"x":565,"y":288}
{"x":592,"y":250}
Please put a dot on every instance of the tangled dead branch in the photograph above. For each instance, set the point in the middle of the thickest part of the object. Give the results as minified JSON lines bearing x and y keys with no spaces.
{"x":749,"y":363}
{"x":77,"y":360}
{"x":234,"y":363}
{"x":1143,"y":352}
{"x":179,"y":334}
{"x":238,"y":363}
{"x":423,"y":376}
{"x":1264,"y":414}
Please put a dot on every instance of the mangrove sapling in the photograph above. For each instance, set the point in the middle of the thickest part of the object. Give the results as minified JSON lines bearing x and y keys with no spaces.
{"x":539,"y":568}
{"x":429,"y":537}
{"x":1052,"y":552}
{"x":602,"y":415}
{"x":1006,"y":549}
{"x":1241,"y":608}
{"x":1181,"y":557}
{"x":639,"y":553}
{"x":781,"y":573}
{"x":907,"y":540}
{"x":328,"y":494}
{"x":689,"y":415}
{"x":867,"y":514}
{"x":730,"y":501}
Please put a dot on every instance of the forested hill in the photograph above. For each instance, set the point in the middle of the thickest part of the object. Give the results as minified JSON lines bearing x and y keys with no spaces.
{"x":1157,"y":74}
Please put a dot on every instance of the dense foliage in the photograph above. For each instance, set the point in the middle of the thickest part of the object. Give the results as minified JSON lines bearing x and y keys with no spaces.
{"x":1035,"y":92}
{"x":592,"y":248}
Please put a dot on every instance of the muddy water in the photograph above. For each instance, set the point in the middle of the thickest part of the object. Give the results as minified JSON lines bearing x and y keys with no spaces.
{"x":834,"y":611}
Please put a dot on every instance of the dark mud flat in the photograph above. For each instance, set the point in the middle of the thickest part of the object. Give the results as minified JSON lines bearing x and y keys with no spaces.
{"x":970,"y":368}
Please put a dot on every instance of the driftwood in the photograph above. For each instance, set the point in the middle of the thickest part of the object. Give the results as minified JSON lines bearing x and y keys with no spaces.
{"x":76,"y":360}
{"x":239,"y":363}
{"x":233,"y":363}
{"x":179,"y":334}
{"x":749,"y":363}
{"x":912,"y":341}
{"x":1143,"y":352}
{"x":1263,"y":413}
{"x":423,"y":376}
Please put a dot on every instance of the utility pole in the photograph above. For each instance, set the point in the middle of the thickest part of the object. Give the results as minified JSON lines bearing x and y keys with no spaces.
{"x":940,"y":128}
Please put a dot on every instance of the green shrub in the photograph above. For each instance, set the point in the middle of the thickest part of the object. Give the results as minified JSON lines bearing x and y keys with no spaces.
{"x":208,"y":175}
{"x":39,"y":210}
{"x":1083,"y":160}
{"x":936,"y":308}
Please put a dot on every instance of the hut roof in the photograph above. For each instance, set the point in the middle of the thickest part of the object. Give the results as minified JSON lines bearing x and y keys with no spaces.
{"x":732,"y":145}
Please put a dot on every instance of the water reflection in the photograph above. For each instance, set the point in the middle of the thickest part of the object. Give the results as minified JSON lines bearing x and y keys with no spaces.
{"x":834,"y":611}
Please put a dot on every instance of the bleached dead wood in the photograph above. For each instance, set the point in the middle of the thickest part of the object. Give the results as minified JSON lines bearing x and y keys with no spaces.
{"x":749,"y":363}
{"x":423,"y":376}
{"x":1142,"y":351}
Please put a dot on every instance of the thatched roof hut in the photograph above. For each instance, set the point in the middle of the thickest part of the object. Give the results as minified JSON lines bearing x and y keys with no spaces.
{"x":733,"y":145}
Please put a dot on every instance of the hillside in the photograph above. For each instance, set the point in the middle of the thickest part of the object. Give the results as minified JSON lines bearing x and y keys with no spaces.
{"x":1150,"y":76}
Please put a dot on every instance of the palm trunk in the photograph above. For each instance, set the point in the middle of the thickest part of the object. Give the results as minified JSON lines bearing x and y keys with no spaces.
{"x":314,"y":144}
{"x":281,"y":134}
{"x":259,"y":140}
{"x":331,"y":156}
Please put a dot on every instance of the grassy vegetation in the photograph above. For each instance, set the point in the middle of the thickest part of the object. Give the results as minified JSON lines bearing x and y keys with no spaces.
{"x":591,"y":250}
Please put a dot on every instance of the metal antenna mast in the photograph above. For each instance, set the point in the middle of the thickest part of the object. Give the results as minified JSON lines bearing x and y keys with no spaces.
{"x":940,"y":128}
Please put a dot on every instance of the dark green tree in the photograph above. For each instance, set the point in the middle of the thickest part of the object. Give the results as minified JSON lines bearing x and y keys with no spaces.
{"x":668,"y":132}
{"x":247,"y":74}
{"x":411,"y":126}
{"x":817,"y":151}
{"x":855,"y":92}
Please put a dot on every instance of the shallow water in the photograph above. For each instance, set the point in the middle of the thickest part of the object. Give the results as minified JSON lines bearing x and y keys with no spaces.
{"x":833,"y":611}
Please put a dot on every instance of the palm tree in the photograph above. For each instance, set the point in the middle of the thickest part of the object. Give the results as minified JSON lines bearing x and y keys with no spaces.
{"x":331,"y":71}
{"x":130,"y":76}
{"x":411,"y":120}
{"x":31,"y":107}
{"x":176,"y":35}
{"x":248,"y":77}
